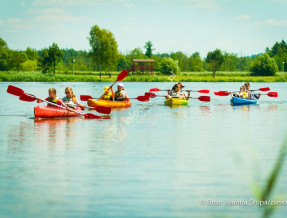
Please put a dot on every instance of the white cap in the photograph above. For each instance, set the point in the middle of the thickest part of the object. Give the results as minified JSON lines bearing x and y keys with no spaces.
{"x":120,"y":84}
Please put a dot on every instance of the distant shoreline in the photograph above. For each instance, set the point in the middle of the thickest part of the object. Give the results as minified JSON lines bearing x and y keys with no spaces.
{"x":183,"y":77}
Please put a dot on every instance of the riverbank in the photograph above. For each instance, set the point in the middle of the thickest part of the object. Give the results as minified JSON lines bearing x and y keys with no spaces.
{"x":183,"y":77}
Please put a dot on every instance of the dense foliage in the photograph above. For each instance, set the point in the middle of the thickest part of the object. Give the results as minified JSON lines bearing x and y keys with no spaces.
{"x":214,"y":60}
{"x":104,"y":55}
{"x":263,"y":65}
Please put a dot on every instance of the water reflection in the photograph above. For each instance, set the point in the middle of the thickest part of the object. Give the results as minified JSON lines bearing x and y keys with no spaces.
{"x":245,"y":107}
{"x":55,"y":131}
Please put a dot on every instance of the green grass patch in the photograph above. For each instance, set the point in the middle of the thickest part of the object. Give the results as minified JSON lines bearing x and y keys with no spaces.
{"x":82,"y":76}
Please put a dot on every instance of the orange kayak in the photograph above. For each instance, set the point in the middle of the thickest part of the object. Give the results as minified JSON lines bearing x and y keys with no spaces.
{"x":52,"y":112}
{"x":106,"y":103}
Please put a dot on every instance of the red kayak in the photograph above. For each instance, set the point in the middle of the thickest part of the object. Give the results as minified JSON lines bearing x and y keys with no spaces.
{"x":52,"y":112}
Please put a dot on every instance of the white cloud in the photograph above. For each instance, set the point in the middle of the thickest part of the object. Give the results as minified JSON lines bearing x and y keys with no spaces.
{"x":79,"y":2}
{"x":243,"y":17}
{"x":203,"y":4}
{"x":45,"y":11}
{"x":273,"y":22}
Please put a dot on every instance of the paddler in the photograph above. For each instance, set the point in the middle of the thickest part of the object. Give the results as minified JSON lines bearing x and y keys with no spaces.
{"x":53,"y":99}
{"x":177,"y":93}
{"x":251,"y":94}
{"x":241,"y":94}
{"x":121,"y":94}
{"x":108,"y":94}
{"x":70,"y":99}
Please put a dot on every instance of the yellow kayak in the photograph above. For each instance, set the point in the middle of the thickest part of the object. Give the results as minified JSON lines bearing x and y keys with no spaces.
{"x":175,"y":101}
{"x":106,"y":103}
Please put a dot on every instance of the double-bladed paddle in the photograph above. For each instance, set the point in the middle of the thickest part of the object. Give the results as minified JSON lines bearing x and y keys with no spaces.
{"x":201,"y":98}
{"x":120,"y":77}
{"x":200,"y":91}
{"x":30,"y":98}
{"x":226,"y":93}
{"x":87,"y":97}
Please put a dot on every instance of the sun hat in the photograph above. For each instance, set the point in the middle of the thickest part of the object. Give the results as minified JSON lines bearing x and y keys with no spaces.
{"x":120,"y":84}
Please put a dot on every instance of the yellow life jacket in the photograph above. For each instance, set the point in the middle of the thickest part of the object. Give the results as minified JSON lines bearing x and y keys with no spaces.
{"x":55,"y":101}
{"x":108,"y":96}
{"x":244,"y":94}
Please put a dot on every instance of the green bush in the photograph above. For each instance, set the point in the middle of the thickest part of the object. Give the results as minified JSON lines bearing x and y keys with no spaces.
{"x":263,"y":65}
{"x":168,"y":66}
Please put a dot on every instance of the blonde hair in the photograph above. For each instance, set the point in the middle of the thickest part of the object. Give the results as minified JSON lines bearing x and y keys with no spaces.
{"x":74,"y":99}
{"x":53,"y":90}
{"x":242,"y":87}
{"x":247,"y":84}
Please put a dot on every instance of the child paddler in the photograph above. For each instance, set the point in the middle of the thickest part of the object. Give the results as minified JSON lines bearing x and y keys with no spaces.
{"x":121,"y":94}
{"x":53,"y":99}
{"x":241,"y":94}
{"x":177,"y":93}
{"x":70,"y":99}
{"x":108,"y":94}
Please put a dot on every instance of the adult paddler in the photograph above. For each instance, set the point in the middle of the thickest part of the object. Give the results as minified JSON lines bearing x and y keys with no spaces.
{"x":121,"y":94}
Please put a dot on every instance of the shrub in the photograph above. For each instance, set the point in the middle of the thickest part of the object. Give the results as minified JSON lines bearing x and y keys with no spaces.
{"x":168,"y":66}
{"x":263,"y":65}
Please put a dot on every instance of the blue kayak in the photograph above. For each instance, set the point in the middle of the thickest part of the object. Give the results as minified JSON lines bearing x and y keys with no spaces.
{"x":242,"y":101}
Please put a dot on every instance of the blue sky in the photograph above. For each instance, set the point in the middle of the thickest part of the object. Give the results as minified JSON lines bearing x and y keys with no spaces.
{"x":237,"y":26}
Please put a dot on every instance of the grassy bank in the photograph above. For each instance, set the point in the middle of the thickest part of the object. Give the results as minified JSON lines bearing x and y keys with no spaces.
{"x":95,"y":77}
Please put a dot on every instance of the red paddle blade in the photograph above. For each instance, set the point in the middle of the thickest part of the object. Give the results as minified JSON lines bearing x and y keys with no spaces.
{"x":85,"y":97}
{"x":149,"y":95}
{"x":223,"y":93}
{"x":122,"y":75}
{"x":273,"y":94}
{"x":155,"y":90}
{"x":13,"y":90}
{"x":204,"y":98}
{"x":264,"y":89}
{"x":216,"y":93}
{"x":91,"y":116}
{"x":103,"y":109}
{"x":142,"y":98}
{"x":204,"y":91}
{"x":27,"y":98}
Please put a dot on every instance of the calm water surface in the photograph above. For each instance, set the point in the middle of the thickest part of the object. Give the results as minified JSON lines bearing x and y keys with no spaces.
{"x":147,"y":161}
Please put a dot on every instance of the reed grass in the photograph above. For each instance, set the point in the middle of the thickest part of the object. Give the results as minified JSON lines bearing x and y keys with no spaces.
{"x":83,"y":76}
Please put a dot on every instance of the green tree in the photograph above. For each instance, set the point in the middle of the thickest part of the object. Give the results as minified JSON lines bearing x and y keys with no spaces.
{"x":182,"y":59}
{"x":279,"y":53}
{"x":50,"y":58}
{"x":104,"y":48}
{"x":214,"y":59}
{"x":5,"y":56}
{"x":230,"y":62}
{"x":3,"y":44}
{"x":149,"y":49}
{"x":55,"y":55}
{"x":31,"y":53}
{"x":29,"y":65}
{"x":168,"y":66}
{"x":195,"y":63}
{"x":17,"y":59}
{"x":263,"y":65}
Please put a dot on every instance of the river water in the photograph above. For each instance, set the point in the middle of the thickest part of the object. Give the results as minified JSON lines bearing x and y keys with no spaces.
{"x":147,"y":161}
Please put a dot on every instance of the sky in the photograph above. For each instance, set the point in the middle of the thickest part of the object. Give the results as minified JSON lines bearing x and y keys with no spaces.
{"x":243,"y":27}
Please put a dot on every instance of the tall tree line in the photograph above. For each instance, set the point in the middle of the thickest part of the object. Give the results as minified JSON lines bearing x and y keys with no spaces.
{"x":104,"y":56}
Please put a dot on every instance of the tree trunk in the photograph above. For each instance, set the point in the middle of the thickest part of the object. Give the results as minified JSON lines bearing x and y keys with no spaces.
{"x":100,"y":71}
{"x":213,"y":74}
{"x":54,"y":67}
